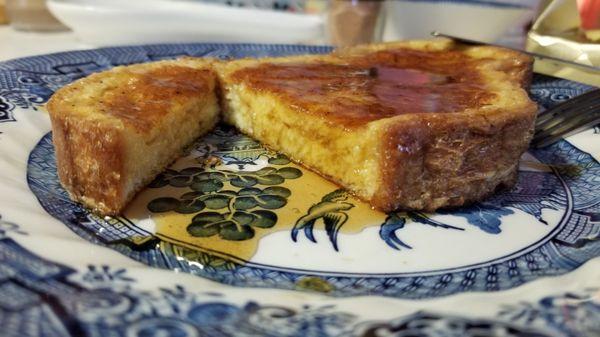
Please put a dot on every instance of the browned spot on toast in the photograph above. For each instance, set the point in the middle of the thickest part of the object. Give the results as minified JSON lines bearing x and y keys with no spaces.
{"x":142,"y":102}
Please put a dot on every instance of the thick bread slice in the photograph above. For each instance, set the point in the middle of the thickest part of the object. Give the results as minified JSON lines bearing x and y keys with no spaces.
{"x":115,"y":131}
{"x":413,"y":125}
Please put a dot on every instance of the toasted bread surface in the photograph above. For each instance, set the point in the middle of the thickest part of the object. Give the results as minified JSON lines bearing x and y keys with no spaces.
{"x":114,"y":131}
{"x":416,"y":125}
{"x":412,"y":125}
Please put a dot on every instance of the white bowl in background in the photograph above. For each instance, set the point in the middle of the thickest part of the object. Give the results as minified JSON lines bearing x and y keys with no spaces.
{"x":481,"y":20}
{"x":114,"y":22}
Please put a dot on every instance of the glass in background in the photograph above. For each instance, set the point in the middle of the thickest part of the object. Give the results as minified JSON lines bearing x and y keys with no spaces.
{"x":3,"y":18}
{"x":345,"y":22}
{"x":31,"y":15}
{"x":352,"y":22}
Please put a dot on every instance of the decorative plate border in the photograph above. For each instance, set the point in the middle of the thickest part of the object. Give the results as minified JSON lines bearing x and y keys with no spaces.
{"x":43,"y":298}
{"x":41,"y":75}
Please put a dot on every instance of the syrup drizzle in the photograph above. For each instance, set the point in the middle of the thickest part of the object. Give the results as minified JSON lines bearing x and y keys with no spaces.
{"x":360,"y":89}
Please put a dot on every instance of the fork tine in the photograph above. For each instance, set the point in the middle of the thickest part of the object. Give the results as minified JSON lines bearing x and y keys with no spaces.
{"x":569,"y":126}
{"x":542,"y":142}
{"x":547,"y":125}
{"x":567,"y":121}
{"x":557,"y":110}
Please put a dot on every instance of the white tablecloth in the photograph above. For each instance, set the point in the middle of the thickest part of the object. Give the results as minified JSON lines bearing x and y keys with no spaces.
{"x":15,"y":44}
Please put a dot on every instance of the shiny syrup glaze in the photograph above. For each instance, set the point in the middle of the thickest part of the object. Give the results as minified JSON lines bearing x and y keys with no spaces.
{"x":383,"y":84}
{"x":150,"y":94}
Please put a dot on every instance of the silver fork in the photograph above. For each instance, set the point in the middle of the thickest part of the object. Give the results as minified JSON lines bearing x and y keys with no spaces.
{"x":567,"y":118}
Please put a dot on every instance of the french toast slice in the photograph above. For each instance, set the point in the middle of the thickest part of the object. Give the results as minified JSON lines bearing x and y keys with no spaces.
{"x":413,"y":125}
{"x":114,"y":131}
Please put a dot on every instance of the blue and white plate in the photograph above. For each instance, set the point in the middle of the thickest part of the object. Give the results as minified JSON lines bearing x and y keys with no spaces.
{"x":254,"y":245}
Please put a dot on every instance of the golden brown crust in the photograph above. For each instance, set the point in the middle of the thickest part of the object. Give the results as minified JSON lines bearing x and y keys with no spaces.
{"x":142,"y":95}
{"x":141,"y":104}
{"x":105,"y":125}
{"x":445,"y":161}
{"x":440,"y":162}
{"x":89,"y":162}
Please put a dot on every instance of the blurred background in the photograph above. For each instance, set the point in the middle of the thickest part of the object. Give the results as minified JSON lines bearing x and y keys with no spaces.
{"x":565,"y":28}
{"x":341,"y":22}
